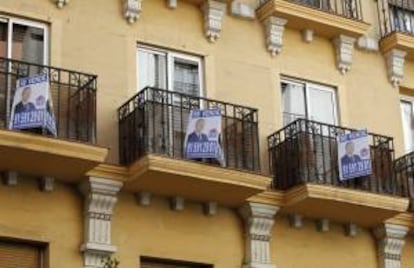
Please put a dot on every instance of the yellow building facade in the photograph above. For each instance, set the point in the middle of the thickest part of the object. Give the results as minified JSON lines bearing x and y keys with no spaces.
{"x":288,"y":77}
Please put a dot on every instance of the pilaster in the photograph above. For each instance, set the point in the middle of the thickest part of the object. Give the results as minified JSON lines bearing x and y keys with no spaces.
{"x":344,"y":52}
{"x":100,"y":199}
{"x":390,"y":242}
{"x":395,"y":65}
{"x":258,"y":220}
{"x":213,"y":18}
{"x":274,"y":29}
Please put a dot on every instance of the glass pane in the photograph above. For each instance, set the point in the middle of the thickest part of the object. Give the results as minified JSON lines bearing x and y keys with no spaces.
{"x":293,"y":101}
{"x":407,"y":122}
{"x":186,"y":77}
{"x":152,"y":69}
{"x":28,"y":43}
{"x":3,"y":39}
{"x":321,"y":105}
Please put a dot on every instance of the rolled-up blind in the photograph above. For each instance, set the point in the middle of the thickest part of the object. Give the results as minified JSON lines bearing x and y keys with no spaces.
{"x":19,"y":255}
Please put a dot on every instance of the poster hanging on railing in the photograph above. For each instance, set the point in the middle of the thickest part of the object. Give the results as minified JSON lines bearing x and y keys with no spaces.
{"x":202,"y":140}
{"x":354,"y":158}
{"x":32,"y":105}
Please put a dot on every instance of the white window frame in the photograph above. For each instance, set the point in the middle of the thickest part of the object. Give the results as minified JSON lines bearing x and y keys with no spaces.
{"x":307,"y":85}
{"x":405,"y":98}
{"x":12,"y":20}
{"x":170,"y":56}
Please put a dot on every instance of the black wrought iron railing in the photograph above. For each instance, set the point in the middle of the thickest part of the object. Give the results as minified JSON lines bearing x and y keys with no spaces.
{"x":396,"y":16}
{"x":404,"y":174}
{"x":351,"y":9}
{"x":305,"y":151}
{"x":155,"y":121}
{"x":73,"y":97}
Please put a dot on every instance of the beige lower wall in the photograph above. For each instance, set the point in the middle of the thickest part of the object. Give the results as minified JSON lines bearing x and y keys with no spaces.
{"x":54,"y":218}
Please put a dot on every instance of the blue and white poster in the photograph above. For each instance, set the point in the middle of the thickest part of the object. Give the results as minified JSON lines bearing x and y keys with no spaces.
{"x":354,"y":156}
{"x":32,"y":105}
{"x":202,"y":139}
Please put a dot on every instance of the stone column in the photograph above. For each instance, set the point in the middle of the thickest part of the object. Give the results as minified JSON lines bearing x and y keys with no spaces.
{"x":258,"y":219}
{"x":390,"y":242}
{"x":100,"y":199}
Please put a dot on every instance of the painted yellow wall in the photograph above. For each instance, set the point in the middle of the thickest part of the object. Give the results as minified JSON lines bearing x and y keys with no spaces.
{"x":408,"y":252}
{"x":306,"y":247}
{"x":94,"y":37}
{"x":54,"y":218}
{"x":157,"y":231}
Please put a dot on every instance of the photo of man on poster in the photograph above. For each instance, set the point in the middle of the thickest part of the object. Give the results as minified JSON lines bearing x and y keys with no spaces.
{"x":25,"y":105}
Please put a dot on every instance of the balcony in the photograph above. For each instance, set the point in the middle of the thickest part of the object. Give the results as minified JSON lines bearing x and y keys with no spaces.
{"x":404,"y":173}
{"x":304,"y":163}
{"x":397,"y":25}
{"x":328,"y":18}
{"x":152,"y":129}
{"x":72,"y":153}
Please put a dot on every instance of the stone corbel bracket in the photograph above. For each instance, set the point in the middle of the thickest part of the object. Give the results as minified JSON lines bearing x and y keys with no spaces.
{"x":395,"y":65}
{"x":61,"y":3}
{"x":259,"y":220}
{"x":344,"y":52}
{"x":100,"y":198}
{"x":274,"y":28}
{"x":390,"y":242}
{"x":132,"y":10}
{"x":213,"y":18}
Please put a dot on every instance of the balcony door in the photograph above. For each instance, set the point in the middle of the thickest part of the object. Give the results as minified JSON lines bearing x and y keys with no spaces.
{"x":179,"y":74}
{"x":407,"y":117}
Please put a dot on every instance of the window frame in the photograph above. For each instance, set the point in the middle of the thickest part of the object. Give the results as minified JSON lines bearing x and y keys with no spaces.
{"x":306,"y":85}
{"x":13,"y":20}
{"x":409,"y":99}
{"x":170,"y":55}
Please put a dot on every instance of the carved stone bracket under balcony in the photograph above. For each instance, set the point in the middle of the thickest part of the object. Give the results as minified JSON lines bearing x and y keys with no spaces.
{"x":344,"y":52}
{"x":61,"y":3}
{"x":132,"y":10}
{"x":274,"y":28}
{"x":259,"y":220}
{"x":395,"y":65}
{"x":172,"y":3}
{"x":100,"y":199}
{"x":390,"y":242}
{"x":213,"y":18}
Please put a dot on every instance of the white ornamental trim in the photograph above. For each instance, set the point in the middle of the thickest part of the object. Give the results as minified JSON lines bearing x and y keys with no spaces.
{"x":258,"y":220}
{"x":395,"y":65}
{"x":213,"y":18}
{"x":132,"y":10}
{"x":344,"y":52}
{"x":274,"y":29}
{"x":61,"y":3}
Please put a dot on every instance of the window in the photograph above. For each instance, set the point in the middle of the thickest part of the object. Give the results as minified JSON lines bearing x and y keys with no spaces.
{"x":407,"y":116}
{"x":402,"y":18}
{"x":308,"y":100}
{"x":169,"y":70}
{"x":148,"y":262}
{"x":20,"y":255}
{"x":23,"y":40}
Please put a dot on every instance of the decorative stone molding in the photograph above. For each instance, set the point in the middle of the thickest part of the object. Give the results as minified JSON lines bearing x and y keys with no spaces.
{"x":132,"y":10}
{"x":100,"y":199}
{"x":143,"y":198}
{"x":10,"y":178}
{"x":172,"y":4}
{"x":274,"y":28}
{"x":344,"y":52}
{"x":296,"y":221}
{"x":242,"y":10}
{"x":177,"y":203}
{"x":368,"y":43}
{"x":47,"y":184}
{"x":390,"y":242}
{"x":322,"y":225}
{"x":395,"y":65}
{"x":259,"y":220}
{"x":210,"y":208}
{"x":61,"y":3}
{"x":308,"y":35}
{"x":351,"y":229}
{"x":213,"y":18}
